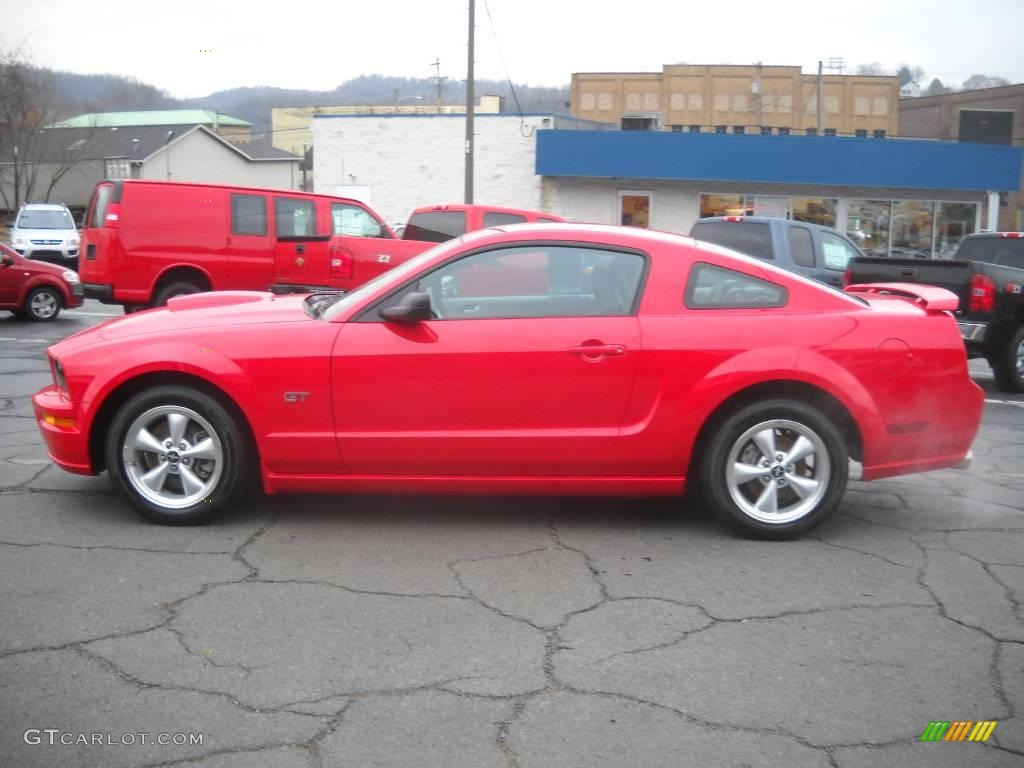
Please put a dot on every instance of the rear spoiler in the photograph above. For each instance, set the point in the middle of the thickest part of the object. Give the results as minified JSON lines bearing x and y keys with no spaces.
{"x":930,"y":298}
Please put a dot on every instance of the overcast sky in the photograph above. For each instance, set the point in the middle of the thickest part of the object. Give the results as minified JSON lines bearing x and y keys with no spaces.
{"x":320,"y":43}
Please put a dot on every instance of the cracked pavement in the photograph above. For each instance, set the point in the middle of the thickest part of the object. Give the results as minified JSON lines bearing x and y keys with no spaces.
{"x":314,"y":631}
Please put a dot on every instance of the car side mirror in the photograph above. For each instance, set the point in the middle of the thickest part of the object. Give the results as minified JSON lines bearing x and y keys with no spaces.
{"x":6,"y":260}
{"x":413,"y":308}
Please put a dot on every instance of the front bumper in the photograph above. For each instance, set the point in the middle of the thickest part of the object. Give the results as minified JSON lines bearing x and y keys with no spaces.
{"x":67,"y":446}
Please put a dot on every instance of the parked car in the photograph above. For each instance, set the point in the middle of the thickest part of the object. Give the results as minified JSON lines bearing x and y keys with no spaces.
{"x":637,"y":363}
{"x":34,"y":290}
{"x":46,"y":232}
{"x":987,"y":276}
{"x":145,"y":242}
{"x":810,"y":250}
{"x":438,"y":223}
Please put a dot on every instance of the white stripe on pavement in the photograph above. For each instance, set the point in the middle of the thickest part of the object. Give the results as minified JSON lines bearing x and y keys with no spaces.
{"x":1018,"y":403}
{"x":77,"y":312}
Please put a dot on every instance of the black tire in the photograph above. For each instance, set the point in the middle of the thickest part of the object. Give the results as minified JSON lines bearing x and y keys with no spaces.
{"x":1008,"y":363}
{"x":131,"y":309}
{"x":169,"y":291}
{"x":821,"y":475}
{"x":42,"y":304}
{"x":222,"y":472}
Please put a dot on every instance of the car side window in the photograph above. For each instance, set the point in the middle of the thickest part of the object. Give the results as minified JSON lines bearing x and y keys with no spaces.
{"x":355,"y":221}
{"x":496,"y":219}
{"x":837,"y":251}
{"x":536,"y":281}
{"x":248,"y":215}
{"x":801,"y":246}
{"x":294,"y":217}
{"x":711,"y":287}
{"x":435,"y":226}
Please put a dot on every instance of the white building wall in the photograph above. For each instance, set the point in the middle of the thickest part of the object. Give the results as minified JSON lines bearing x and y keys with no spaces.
{"x":596,"y":201}
{"x":199,"y":157}
{"x":404,"y":162}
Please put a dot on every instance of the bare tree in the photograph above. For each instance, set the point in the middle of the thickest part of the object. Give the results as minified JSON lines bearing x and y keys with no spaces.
{"x":28,"y":104}
{"x":974,"y":82}
{"x":872,"y":68}
{"x":909,"y":75}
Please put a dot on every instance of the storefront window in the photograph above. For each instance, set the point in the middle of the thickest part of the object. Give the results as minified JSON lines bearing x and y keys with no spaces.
{"x":955,"y":220}
{"x":722,"y":205}
{"x":764,"y":205}
{"x":815,"y":210}
{"x":912,"y":229}
{"x":867,"y":225}
{"x":635,"y":209}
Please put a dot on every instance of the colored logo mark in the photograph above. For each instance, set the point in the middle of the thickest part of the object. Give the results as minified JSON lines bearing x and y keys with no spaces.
{"x":958,"y":730}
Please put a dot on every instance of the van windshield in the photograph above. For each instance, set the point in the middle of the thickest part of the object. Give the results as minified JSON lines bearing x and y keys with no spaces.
{"x":45,"y":220}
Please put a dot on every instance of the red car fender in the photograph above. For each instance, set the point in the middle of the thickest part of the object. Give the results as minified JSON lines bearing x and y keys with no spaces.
{"x":783,"y":364}
{"x":39,"y":280}
{"x":219,"y":371}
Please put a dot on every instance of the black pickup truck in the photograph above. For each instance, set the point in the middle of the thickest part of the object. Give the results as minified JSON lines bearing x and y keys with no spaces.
{"x":987,"y":274}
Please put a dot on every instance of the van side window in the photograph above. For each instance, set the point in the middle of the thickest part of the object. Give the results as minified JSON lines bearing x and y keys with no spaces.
{"x":496,"y":219}
{"x":248,"y":215}
{"x":355,"y":221}
{"x":801,"y":247}
{"x":294,"y":217}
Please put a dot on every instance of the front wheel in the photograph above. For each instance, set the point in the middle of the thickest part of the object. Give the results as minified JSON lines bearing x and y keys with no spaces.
{"x":775,"y":469}
{"x":178,"y":454}
{"x":42,"y":304}
{"x":1008,"y":363}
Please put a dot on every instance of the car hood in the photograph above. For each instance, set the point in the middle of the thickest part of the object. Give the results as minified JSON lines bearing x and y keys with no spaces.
{"x":184,"y":314}
{"x":44,"y":234}
{"x":42,"y":267}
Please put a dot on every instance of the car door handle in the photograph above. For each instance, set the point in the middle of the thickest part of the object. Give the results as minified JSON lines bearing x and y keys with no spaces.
{"x":598,"y":350}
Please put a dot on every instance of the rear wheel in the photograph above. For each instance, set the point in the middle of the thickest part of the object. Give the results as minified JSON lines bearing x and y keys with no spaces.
{"x":171,"y":290}
{"x":1008,"y":364}
{"x":775,"y":469}
{"x":178,"y":454}
{"x":42,"y":304}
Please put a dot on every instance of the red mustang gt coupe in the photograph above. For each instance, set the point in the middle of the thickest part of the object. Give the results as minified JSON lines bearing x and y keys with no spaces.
{"x":530,"y":359}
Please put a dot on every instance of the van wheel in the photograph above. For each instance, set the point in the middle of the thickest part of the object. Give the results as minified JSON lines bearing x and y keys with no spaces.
{"x":42,"y":304}
{"x":171,"y":290}
{"x":1008,"y":364}
{"x":774,"y":469}
{"x":178,"y":454}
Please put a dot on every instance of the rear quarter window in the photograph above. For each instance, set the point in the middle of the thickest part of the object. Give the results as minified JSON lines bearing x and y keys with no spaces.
{"x":749,"y":237}
{"x":712,"y":287}
{"x":435,"y":226}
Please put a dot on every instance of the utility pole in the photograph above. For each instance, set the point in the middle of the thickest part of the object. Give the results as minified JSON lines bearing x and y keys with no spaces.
{"x":437,"y":66}
{"x":305,"y":159}
{"x":470,"y":98}
{"x":831,"y":64}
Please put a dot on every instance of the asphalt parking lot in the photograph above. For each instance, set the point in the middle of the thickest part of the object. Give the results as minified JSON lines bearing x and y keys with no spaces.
{"x":395,"y":631}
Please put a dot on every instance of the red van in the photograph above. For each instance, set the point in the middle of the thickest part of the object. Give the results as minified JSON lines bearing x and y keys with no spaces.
{"x":144,"y":242}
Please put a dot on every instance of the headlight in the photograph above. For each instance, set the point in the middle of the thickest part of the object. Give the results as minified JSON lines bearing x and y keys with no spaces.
{"x":70,"y":275}
{"x":58,"y":374}
{"x":73,"y":241}
{"x":18,"y":240}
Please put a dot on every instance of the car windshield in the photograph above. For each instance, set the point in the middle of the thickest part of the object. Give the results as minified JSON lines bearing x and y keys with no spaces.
{"x":45,"y":220}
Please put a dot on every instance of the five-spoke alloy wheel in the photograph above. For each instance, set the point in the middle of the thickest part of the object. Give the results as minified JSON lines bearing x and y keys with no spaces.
{"x":178,"y":453}
{"x":775,"y":469}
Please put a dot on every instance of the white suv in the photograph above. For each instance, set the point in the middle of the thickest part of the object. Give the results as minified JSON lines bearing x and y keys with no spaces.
{"x":47,"y":233}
